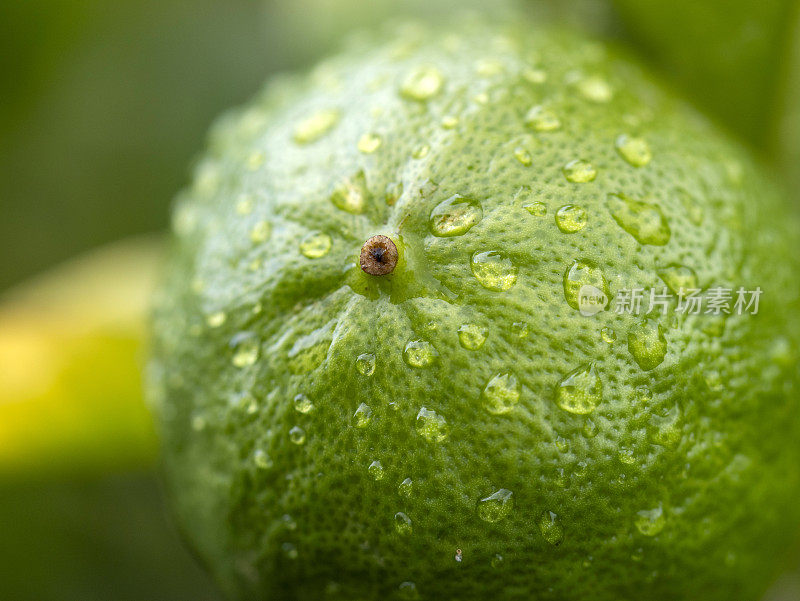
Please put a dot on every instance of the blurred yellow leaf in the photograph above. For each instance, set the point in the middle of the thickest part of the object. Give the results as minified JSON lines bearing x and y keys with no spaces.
{"x":71,"y":353}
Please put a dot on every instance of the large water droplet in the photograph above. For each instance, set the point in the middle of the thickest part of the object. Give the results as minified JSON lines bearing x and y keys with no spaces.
{"x":650,"y":522}
{"x":365,"y":364}
{"x":351,"y":195}
{"x":642,"y":220}
{"x":571,"y":218}
{"x":647,"y":344}
{"x":583,"y":277}
{"x":501,"y":394}
{"x":422,"y":83}
{"x":635,"y":151}
{"x":551,"y":528}
{"x":496,"y":506}
{"x":455,"y":216}
{"x":579,"y":172}
{"x":523,"y":155}
{"x":402,"y":523}
{"x":539,"y":118}
{"x":297,"y":435}
{"x":472,"y":336}
{"x":580,"y":391}
{"x":431,"y":426}
{"x":315,"y":245}
{"x":678,"y":276}
{"x":316,"y":126}
{"x":362,"y":416}
{"x":419,"y":353}
{"x":245,"y":346}
{"x":494,"y":270}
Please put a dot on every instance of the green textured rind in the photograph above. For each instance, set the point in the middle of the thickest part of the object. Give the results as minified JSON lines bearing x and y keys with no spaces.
{"x":710,"y":434}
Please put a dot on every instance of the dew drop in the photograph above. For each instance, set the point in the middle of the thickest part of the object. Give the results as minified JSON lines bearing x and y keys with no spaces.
{"x":571,"y":218}
{"x":523,"y":156}
{"x":579,"y":171}
{"x":289,"y":550}
{"x":419,"y":353}
{"x":496,"y":506}
{"x":580,"y":391}
{"x":375,"y":470}
{"x":256,"y":160}
{"x":596,"y":89}
{"x":302,"y":404}
{"x":494,"y":270}
{"x":501,"y":394}
{"x":520,"y":329}
{"x":261,"y":460}
{"x":580,"y":275}
{"x":297,"y":435}
{"x":608,"y":335}
{"x":362,"y":416}
{"x":423,"y":83}
{"x":408,"y":590}
{"x":455,"y":216}
{"x":496,"y":561}
{"x":551,"y":528}
{"x":261,"y":232}
{"x":244,"y":205}
{"x":365,"y":364}
{"x":406,"y":488}
{"x":402,"y":523}
{"x":537,"y":208}
{"x":450,"y":122}
{"x":635,"y":151}
{"x":216,"y":319}
{"x":472,"y":336}
{"x":420,"y":152}
{"x":647,"y":344}
{"x":538,"y":118}
{"x":431,"y":426}
{"x":677,"y":276}
{"x":351,"y":195}
{"x":667,"y":427}
{"x":317,"y":125}
{"x":642,"y":220}
{"x":651,"y":522}
{"x":369,"y":143}
{"x":315,"y":245}
{"x":245,"y":348}
{"x":394,"y":191}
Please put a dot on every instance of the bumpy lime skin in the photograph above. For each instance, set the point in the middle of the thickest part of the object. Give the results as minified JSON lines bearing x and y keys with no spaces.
{"x":680,"y":484}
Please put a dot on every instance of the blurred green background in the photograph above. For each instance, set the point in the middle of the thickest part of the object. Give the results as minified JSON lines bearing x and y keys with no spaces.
{"x":102,"y":108}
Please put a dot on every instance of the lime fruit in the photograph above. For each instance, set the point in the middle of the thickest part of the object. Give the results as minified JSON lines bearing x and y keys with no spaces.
{"x":389,"y":356}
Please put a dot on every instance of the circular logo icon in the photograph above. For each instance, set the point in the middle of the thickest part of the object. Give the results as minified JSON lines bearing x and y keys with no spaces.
{"x":591,"y":300}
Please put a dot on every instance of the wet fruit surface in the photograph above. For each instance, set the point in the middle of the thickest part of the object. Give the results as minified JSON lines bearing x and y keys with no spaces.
{"x":463,"y":426}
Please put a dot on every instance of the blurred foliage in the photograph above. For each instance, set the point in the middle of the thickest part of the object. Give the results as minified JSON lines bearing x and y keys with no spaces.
{"x":93,"y":539}
{"x":103,"y":105}
{"x":731,"y":57}
{"x":71,"y":350}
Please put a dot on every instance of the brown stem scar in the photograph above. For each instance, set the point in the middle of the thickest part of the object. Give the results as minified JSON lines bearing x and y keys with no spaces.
{"x":378,"y":255}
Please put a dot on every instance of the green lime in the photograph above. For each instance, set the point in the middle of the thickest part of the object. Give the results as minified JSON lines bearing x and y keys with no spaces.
{"x":399,"y":352}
